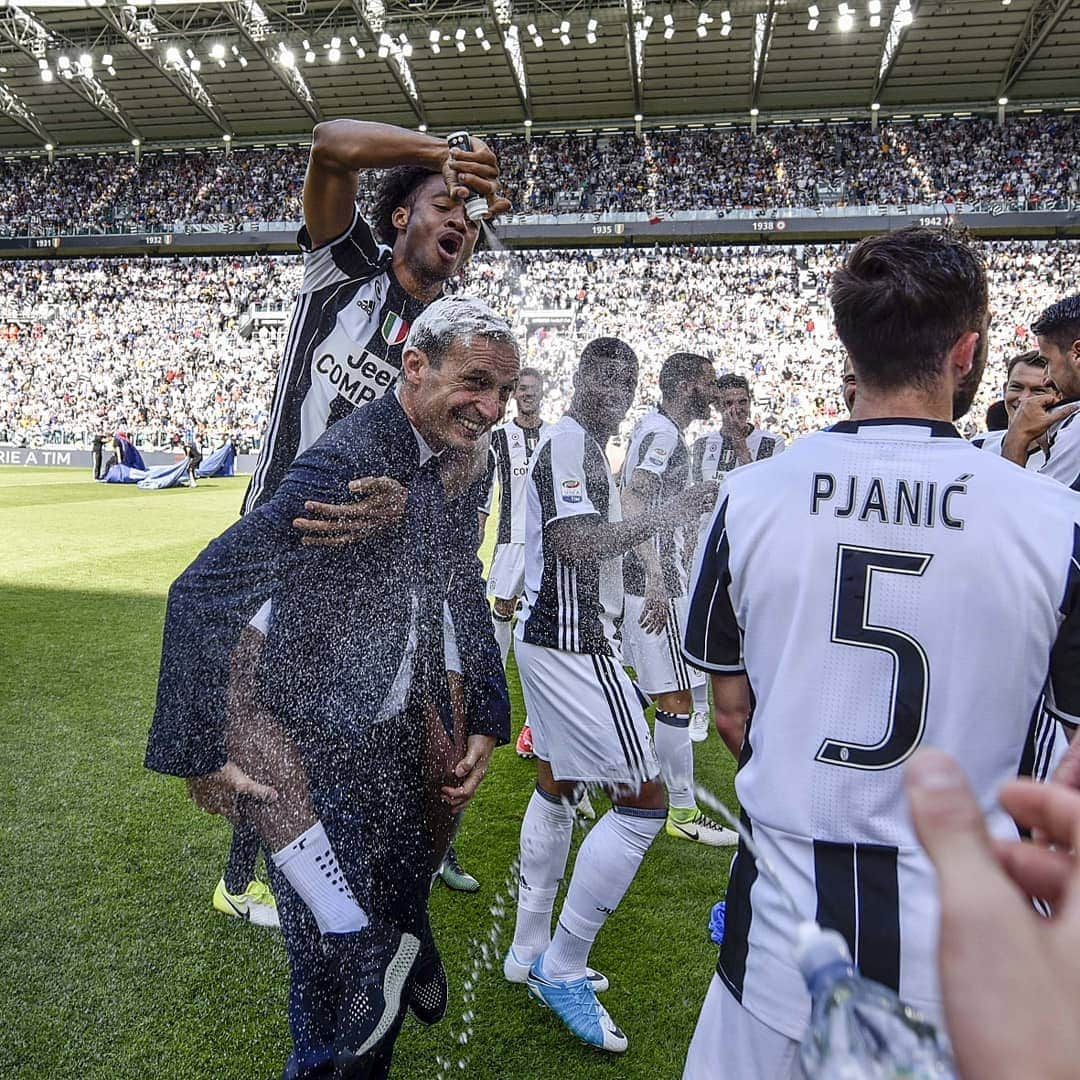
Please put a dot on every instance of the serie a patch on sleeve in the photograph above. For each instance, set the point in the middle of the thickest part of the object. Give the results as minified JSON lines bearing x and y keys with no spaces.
{"x":570,"y":491}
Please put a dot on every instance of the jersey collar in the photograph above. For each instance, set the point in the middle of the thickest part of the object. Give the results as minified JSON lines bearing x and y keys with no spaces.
{"x":931,"y":429}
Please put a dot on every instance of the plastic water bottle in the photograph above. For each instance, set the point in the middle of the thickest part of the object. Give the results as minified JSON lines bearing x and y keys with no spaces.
{"x":859,"y":1029}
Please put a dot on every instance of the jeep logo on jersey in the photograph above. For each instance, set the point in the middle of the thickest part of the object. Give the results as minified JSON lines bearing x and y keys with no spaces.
{"x":358,"y":379}
{"x":571,"y":491}
{"x":394,"y":329}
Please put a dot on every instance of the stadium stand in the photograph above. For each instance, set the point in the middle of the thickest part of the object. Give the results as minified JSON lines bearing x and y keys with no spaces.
{"x":1030,"y":162}
{"x":154,"y":346}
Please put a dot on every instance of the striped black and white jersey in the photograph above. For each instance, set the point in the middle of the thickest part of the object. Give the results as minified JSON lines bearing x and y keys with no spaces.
{"x":573,"y":608}
{"x":884,"y":586}
{"x":1063,"y":462}
{"x":994,"y":440}
{"x":512,"y":447}
{"x":713,"y":454}
{"x":657,"y":446}
{"x":343,"y":347}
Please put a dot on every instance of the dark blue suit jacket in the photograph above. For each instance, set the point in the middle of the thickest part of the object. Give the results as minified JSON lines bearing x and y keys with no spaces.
{"x":341,"y":615}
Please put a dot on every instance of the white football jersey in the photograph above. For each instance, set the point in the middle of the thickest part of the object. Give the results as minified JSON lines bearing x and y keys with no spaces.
{"x":713,"y":454}
{"x":994,"y":440}
{"x":574,"y":608}
{"x":1063,"y":462}
{"x":511,"y":448}
{"x":883,"y":585}
{"x":657,"y":446}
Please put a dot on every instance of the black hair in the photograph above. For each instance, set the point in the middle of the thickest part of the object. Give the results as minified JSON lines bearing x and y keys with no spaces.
{"x":997,"y":416}
{"x":731,"y":381}
{"x":1060,"y":322}
{"x":603,"y":349}
{"x":902,"y":300}
{"x":1031,"y":357}
{"x":536,"y":373}
{"x":679,"y":368}
{"x":396,"y":187}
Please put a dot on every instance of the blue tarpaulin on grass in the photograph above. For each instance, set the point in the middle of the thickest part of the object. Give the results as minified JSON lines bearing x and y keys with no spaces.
{"x":220,"y":463}
{"x":165,"y":476}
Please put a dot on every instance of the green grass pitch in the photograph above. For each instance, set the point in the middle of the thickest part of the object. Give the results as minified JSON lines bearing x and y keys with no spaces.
{"x":114,"y":965}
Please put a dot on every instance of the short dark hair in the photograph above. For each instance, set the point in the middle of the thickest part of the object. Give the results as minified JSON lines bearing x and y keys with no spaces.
{"x":678,"y":368}
{"x":731,"y":381}
{"x":1030,"y":357}
{"x":901,"y":301}
{"x":607,"y":348}
{"x":997,"y":416}
{"x":1060,"y":322}
{"x":536,"y":373}
{"x":396,"y":187}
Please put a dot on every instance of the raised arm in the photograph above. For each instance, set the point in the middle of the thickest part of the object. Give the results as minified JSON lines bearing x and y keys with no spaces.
{"x":341,"y":149}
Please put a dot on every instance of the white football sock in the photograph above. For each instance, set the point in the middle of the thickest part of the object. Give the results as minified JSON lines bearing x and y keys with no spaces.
{"x":606,"y":864}
{"x":701,"y":697}
{"x":311,"y":868}
{"x":502,"y":636}
{"x":671,"y":736}
{"x":545,"y":844}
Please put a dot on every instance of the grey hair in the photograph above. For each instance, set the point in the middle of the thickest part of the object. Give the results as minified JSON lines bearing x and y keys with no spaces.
{"x":457,"y":318}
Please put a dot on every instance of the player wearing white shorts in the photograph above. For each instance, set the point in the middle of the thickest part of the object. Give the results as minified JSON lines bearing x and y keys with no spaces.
{"x":512,"y":446}
{"x":657,"y":467}
{"x":587,"y":722}
{"x":865,"y":585}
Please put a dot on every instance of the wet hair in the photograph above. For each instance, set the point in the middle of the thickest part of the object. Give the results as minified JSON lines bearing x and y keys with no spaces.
{"x":396,"y":187}
{"x":731,"y":381}
{"x":457,"y":318}
{"x":679,"y":368}
{"x":603,"y":349}
{"x":997,"y":417}
{"x":902,"y":300}
{"x":1060,"y":322}
{"x":1031,"y":357}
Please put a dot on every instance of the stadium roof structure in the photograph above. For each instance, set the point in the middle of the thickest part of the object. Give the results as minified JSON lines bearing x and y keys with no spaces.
{"x":82,"y":73}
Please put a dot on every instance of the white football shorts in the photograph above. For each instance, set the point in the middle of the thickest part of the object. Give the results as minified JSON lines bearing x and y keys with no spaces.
{"x":586,"y":718}
{"x":506,"y":579}
{"x":657,"y":659}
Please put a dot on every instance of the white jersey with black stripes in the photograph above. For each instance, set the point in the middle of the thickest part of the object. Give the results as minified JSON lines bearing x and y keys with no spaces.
{"x":883,"y":586}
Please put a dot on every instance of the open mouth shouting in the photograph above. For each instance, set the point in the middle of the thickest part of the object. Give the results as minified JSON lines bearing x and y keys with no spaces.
{"x":450,"y":244}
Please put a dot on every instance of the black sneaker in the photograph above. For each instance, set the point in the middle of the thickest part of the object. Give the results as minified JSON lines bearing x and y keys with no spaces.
{"x":428,"y":993}
{"x":374,"y":968}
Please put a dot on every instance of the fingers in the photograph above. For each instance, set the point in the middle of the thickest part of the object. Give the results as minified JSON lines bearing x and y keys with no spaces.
{"x":497,"y":206}
{"x":950,"y":825}
{"x":376,"y":485}
{"x":1037,"y":872}
{"x":1053,"y":809}
{"x":1068,"y":770}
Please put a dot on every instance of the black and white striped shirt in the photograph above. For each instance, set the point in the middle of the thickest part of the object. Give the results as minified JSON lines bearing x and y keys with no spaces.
{"x":512,"y":447}
{"x":572,"y":608}
{"x":343,"y":347}
{"x":714,"y":454}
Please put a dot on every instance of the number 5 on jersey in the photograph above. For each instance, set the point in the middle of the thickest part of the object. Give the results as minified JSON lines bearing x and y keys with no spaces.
{"x":855,"y":570}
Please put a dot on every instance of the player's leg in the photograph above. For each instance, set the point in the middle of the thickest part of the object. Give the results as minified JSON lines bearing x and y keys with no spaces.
{"x":589,"y":724}
{"x":699,"y":713}
{"x":502,"y":617}
{"x":730,"y":1043}
{"x":239,"y":893}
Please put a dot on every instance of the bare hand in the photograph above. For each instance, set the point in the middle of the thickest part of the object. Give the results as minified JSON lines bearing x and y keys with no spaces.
{"x":470,"y":770}
{"x":466,"y":171}
{"x":1035,"y":416}
{"x":217,"y":792}
{"x":380,"y":507}
{"x":731,"y":424}
{"x":696,"y":500}
{"x":654,"y":612}
{"x":1008,"y":975}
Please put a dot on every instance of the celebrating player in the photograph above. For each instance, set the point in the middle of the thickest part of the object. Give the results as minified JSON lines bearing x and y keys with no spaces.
{"x":738,"y":442}
{"x":830,"y":582}
{"x":587,"y":723}
{"x":363,"y":286}
{"x":657,"y":467}
{"x":1025,"y":378}
{"x":512,"y":446}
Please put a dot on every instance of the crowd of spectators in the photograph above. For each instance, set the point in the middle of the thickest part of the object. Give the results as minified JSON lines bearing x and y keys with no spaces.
{"x":1031,"y":160}
{"x":153,"y":346}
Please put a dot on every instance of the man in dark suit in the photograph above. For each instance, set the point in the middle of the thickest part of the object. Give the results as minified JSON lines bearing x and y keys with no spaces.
{"x":353,"y":679}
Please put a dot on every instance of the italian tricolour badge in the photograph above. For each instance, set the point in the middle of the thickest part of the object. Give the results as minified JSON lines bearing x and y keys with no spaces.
{"x":394,"y":329}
